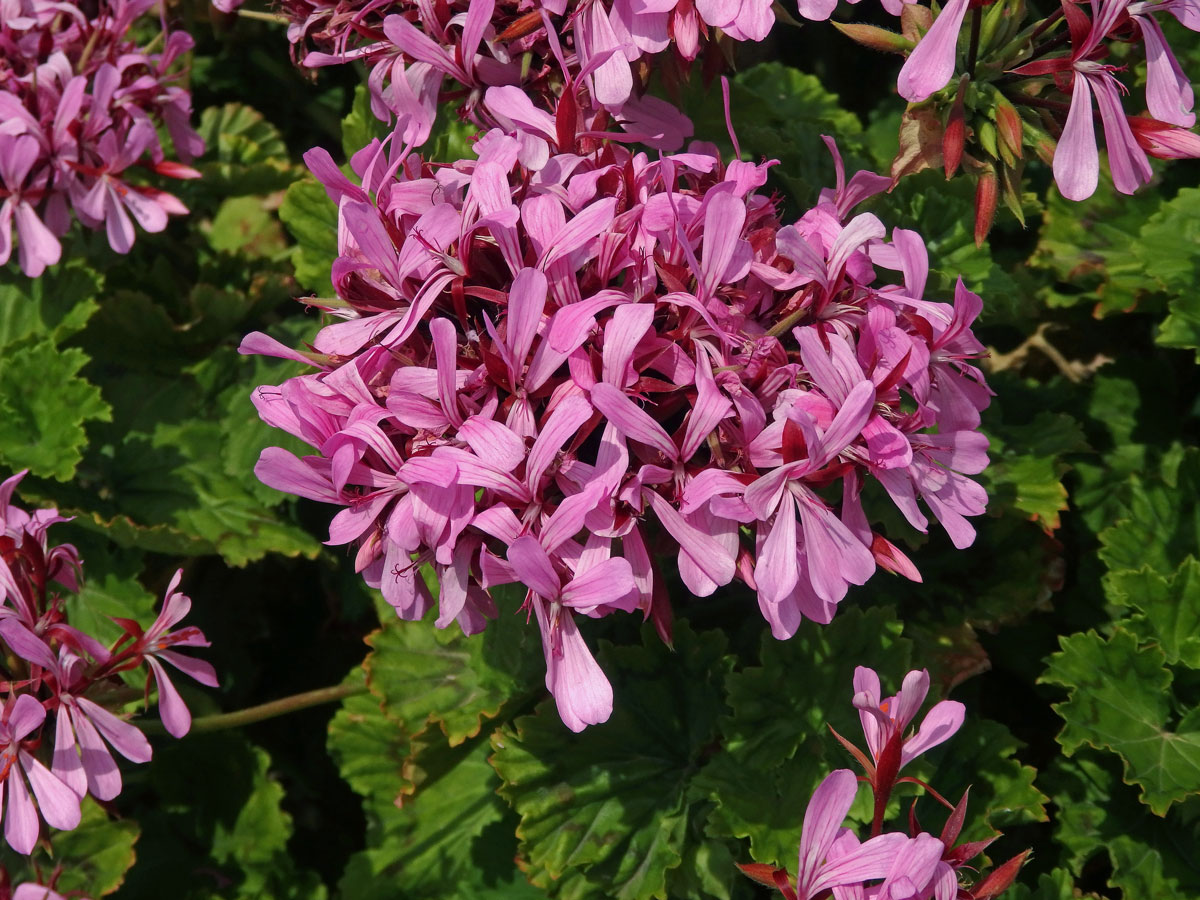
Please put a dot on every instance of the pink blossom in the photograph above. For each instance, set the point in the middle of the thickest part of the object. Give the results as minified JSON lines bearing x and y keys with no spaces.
{"x":884,"y":721}
{"x":568,"y":358}
{"x":931,"y":64}
{"x":57,"y":803}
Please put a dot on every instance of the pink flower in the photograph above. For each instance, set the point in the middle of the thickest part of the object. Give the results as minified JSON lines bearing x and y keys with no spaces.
{"x":57,"y":803}
{"x":154,"y":647}
{"x":931,"y":64}
{"x":821,"y":866}
{"x":885,"y":721}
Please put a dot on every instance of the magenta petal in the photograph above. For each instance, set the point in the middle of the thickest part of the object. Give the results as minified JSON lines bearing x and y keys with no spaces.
{"x":939,"y":725}
{"x":171,"y":708}
{"x":931,"y":64}
{"x":533,"y":567}
{"x":1076,"y":158}
{"x":605,"y":582}
{"x":1126,"y":160}
{"x":59,"y":804}
{"x":26,"y":715}
{"x":777,"y":571}
{"x":126,"y":739}
{"x":21,"y":824}
{"x":65,"y":763}
{"x":631,"y":420}
{"x":581,"y":691}
{"x":824,"y":816}
{"x":867,"y":862}
{"x":1168,"y":92}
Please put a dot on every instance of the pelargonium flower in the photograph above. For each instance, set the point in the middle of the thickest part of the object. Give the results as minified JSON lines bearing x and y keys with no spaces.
{"x":884,"y":721}
{"x":21,"y":716}
{"x":422,"y":56}
{"x":80,"y":101}
{"x":556,"y":367}
{"x":69,"y":673}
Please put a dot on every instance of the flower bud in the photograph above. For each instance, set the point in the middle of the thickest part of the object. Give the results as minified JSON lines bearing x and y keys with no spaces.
{"x":986,"y":194}
{"x":876,"y":38}
{"x":1010,"y":130}
{"x":955,"y":134}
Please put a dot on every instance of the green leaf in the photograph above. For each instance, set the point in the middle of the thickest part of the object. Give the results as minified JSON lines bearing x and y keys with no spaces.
{"x":312,"y":219}
{"x":1167,"y":250}
{"x":1169,"y":607}
{"x":1119,"y":700}
{"x":1098,"y":816}
{"x":1089,"y":248}
{"x":370,"y":748}
{"x":780,"y":113}
{"x":1160,"y":520}
{"x":437,"y":838}
{"x":217,"y":814}
{"x":611,"y":811}
{"x":43,"y":407}
{"x":981,"y":756}
{"x":776,"y":747}
{"x":94,"y":858}
{"x":56,"y":305}
{"x":360,"y":126}
{"x":246,"y":224}
{"x":1027,"y":469}
{"x":426,"y":674}
{"x":1054,"y":885}
{"x":244,"y":153}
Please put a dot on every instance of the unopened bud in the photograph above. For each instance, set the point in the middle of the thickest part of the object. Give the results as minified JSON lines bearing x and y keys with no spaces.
{"x":1001,"y":878}
{"x":876,"y":38}
{"x":915,"y":20}
{"x":986,"y":194}
{"x":955,"y":135}
{"x":1010,"y":130}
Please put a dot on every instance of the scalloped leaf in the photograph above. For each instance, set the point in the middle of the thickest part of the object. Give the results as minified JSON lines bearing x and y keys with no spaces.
{"x":216,"y":826}
{"x":1169,"y":607}
{"x":1119,"y":700}
{"x":439,"y":840}
{"x":312,"y":220}
{"x":776,"y":747}
{"x":244,"y":153}
{"x":426,"y":674}
{"x":612,"y":811}
{"x":44,"y":404}
{"x":94,"y":858}
{"x":56,"y":305}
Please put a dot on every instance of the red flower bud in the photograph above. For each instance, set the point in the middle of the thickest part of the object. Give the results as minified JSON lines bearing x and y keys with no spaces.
{"x":986,"y":193}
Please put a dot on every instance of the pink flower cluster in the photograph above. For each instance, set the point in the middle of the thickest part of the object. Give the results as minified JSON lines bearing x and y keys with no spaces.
{"x":62,"y":672}
{"x":79,"y":104}
{"x":423,"y":55}
{"x":556,"y":371}
{"x":890,"y":865}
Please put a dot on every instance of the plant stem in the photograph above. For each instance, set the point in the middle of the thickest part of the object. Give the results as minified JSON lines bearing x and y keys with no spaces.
{"x":279,"y":707}
{"x":263,"y":16}
{"x":973,"y":49}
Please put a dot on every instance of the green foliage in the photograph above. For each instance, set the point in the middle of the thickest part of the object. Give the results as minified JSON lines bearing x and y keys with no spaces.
{"x":232,"y":836}
{"x":94,"y":858}
{"x":438,"y":676}
{"x":612,"y":811}
{"x":311,"y":218}
{"x":1119,"y":700}
{"x":244,"y":153}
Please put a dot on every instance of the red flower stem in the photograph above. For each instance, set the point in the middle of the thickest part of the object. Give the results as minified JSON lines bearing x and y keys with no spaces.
{"x":282,"y":706}
{"x":1046,"y":23}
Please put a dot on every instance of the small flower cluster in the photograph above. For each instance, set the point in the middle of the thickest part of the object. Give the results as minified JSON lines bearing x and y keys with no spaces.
{"x":79,"y":103}
{"x":554,"y":371}
{"x":54,"y":669}
{"x":890,"y":865}
{"x":424,"y":55}
{"x":1011,"y":73}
